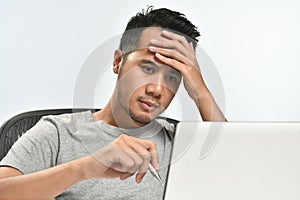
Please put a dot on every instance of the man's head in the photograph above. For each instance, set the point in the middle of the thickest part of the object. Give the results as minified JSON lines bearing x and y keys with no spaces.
{"x":145,"y":85}
{"x":164,"y":18}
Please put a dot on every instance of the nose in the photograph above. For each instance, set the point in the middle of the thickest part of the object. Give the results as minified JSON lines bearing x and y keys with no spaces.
{"x":155,"y":88}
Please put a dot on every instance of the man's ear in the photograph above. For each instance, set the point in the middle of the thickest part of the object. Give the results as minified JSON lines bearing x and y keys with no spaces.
{"x":118,"y":57}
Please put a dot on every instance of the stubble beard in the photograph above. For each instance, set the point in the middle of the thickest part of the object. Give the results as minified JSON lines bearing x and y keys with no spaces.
{"x":142,"y":119}
{"x":137,"y":118}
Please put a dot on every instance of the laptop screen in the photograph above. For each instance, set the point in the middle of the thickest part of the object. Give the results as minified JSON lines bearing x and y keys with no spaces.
{"x":235,"y":161}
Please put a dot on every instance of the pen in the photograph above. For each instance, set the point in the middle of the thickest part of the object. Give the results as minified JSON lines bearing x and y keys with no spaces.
{"x":155,"y":174}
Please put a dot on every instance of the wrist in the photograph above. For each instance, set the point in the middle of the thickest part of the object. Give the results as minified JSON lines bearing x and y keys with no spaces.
{"x":197,"y":89}
{"x":90,"y":167}
{"x":201,"y":94}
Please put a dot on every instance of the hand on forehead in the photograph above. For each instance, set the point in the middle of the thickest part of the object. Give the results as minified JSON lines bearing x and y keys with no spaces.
{"x":147,"y":37}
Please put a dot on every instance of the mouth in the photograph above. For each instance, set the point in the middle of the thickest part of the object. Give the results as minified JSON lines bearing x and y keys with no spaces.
{"x":148,"y":105}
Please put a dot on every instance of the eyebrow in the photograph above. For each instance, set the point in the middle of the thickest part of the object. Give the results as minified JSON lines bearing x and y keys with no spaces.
{"x":150,"y":62}
{"x":173,"y":71}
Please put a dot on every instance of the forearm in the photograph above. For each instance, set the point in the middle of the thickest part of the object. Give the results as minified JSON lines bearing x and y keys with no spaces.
{"x":45,"y":184}
{"x":207,"y":106}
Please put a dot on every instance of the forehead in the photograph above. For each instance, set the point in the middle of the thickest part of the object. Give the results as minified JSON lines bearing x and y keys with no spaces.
{"x":148,"y":34}
{"x":142,"y":53}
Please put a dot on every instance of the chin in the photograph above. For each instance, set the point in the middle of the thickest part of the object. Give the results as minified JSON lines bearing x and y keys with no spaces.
{"x":143,"y":118}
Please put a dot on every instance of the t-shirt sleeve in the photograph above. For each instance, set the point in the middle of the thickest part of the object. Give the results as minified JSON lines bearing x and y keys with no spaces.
{"x":36,"y":150}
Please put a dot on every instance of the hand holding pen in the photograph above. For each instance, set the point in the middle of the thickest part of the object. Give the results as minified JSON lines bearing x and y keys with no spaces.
{"x":127,"y":156}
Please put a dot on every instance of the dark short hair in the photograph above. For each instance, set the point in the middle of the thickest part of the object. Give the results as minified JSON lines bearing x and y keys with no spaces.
{"x":164,"y":18}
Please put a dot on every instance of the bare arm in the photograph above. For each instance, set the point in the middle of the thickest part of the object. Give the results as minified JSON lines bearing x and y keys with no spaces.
{"x":44,"y":184}
{"x":125,"y":156}
{"x":207,"y":106}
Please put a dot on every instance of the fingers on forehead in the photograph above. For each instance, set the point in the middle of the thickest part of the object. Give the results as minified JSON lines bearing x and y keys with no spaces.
{"x":174,"y":36}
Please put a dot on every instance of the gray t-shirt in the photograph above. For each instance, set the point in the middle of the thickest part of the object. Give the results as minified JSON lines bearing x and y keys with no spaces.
{"x":58,"y":139}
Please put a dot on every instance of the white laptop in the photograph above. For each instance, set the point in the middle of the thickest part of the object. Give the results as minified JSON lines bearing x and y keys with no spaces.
{"x":235,"y":161}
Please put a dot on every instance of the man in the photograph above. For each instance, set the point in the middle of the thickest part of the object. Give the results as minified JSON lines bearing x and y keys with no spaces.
{"x":106,"y":155}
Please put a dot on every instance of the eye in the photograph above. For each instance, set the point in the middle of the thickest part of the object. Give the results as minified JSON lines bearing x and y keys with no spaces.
{"x":172,"y":78}
{"x":147,"y":69}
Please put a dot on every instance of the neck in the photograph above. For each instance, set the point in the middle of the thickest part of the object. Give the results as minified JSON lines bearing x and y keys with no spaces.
{"x":105,"y":114}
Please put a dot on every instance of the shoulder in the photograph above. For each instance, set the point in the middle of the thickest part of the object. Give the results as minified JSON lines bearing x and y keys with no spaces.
{"x":68,"y":119}
{"x":51,"y":126}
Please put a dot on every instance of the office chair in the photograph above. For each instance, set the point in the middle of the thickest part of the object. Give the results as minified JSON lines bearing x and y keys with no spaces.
{"x":17,"y":125}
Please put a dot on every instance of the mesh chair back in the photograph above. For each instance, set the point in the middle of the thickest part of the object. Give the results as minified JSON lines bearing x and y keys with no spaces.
{"x":16,"y":126}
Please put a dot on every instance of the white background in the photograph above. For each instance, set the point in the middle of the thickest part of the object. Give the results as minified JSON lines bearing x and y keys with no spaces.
{"x":254,"y":45}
